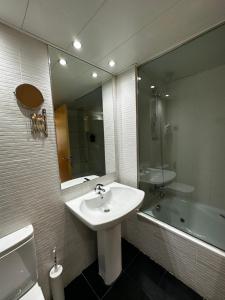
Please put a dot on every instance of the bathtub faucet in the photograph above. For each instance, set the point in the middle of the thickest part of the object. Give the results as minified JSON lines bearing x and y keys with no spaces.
{"x":160,"y":190}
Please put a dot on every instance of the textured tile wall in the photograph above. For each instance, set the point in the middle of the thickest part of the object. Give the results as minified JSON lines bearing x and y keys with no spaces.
{"x":195,"y":263}
{"x":29,"y":180}
{"x":126,"y":127}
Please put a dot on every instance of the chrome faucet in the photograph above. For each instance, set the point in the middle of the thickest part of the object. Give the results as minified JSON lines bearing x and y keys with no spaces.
{"x":86,"y":179}
{"x":99,"y":189}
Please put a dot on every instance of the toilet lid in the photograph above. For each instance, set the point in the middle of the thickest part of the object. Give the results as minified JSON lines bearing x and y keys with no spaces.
{"x":35,"y":293}
{"x":181,"y":187}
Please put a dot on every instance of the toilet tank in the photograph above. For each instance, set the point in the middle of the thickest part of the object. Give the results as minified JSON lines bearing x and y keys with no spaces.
{"x":18,"y":272}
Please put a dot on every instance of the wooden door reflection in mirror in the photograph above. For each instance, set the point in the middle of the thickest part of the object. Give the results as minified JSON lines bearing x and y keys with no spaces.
{"x":63,"y":143}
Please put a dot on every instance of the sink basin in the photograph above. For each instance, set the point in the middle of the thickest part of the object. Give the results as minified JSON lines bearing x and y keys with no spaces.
{"x":100,"y":213}
{"x":104,"y":213}
{"x":157,"y":176}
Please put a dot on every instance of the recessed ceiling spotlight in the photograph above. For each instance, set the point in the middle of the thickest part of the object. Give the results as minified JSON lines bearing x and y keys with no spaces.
{"x":62,"y":62}
{"x":77,"y":44}
{"x":138,"y":78}
{"x":112,"y":63}
{"x":167,"y":95}
{"x":152,"y":86}
{"x":94,"y":75}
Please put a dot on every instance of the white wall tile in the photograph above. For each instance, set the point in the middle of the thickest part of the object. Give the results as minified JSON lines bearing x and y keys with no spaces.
{"x":199,"y":266}
{"x":215,"y":262}
{"x":126,"y":127}
{"x":209,"y":284}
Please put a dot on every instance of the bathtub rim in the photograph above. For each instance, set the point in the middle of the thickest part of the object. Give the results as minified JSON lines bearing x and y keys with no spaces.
{"x":180,"y":233}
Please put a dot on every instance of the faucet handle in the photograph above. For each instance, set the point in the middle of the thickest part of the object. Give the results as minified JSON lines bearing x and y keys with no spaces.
{"x":99,"y":187}
{"x":86,"y":179}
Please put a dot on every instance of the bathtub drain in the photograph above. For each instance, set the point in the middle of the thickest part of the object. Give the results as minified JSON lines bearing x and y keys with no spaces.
{"x":158,"y":207}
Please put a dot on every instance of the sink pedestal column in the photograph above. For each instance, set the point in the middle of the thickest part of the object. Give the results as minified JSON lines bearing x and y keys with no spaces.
{"x":109,"y":253}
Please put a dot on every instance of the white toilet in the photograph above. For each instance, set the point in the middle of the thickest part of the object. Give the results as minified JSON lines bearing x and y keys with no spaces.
{"x":18,"y":270}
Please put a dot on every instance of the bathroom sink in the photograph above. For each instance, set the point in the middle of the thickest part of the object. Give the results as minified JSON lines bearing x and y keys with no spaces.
{"x":157,"y":176}
{"x":103,"y":211}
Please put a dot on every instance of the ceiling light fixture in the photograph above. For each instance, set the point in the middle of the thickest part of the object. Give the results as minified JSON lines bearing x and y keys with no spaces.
{"x":77,"y":44}
{"x":167,"y":95}
{"x":94,"y":75}
{"x":152,"y":86}
{"x":138,"y":78}
{"x":112,"y":63}
{"x":62,"y":62}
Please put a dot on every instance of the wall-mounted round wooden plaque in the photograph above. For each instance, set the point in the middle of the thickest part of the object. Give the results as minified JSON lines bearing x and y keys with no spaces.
{"x":29,"y":95}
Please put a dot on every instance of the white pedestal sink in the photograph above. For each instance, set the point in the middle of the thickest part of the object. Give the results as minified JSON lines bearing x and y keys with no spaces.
{"x":104,"y":214}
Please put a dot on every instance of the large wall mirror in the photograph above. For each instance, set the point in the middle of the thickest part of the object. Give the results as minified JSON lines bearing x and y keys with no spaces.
{"x":83,"y":110}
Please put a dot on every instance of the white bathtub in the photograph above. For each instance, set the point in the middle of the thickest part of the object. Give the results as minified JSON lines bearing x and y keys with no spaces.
{"x":201,"y":221}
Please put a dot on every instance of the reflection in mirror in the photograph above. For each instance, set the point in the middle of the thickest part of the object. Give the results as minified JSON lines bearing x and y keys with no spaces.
{"x":79,"y":90}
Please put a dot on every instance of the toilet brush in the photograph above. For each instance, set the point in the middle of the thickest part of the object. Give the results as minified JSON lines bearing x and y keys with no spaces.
{"x":56,"y":281}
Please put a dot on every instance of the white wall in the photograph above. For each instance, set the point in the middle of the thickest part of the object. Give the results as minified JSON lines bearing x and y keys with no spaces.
{"x":126,"y":130}
{"x":29,"y":179}
{"x":197,"y":111}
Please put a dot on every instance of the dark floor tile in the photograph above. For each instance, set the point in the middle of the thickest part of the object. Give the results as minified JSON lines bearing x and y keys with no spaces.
{"x":142,"y":279}
{"x":129,"y":252}
{"x":125,"y":288}
{"x":143,"y":268}
{"x":147,"y":274}
{"x":176,"y":290}
{"x":79,"y":289}
{"x":95,"y":280}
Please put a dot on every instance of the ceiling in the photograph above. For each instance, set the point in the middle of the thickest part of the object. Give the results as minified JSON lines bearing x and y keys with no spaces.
{"x":74,"y":80}
{"x":128,"y":31}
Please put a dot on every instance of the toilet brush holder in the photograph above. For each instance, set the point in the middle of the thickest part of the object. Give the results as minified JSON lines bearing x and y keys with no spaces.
{"x":56,"y":282}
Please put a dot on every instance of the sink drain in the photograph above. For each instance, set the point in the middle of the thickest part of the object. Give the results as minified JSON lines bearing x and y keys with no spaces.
{"x":106,"y":210}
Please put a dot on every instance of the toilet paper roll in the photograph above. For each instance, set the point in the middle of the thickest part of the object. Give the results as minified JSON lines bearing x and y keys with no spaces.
{"x":56,"y":282}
